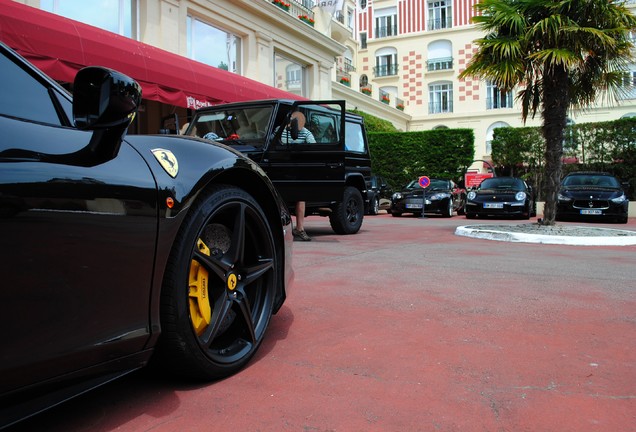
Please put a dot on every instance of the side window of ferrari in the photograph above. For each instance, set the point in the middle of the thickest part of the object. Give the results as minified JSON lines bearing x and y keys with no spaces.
{"x":23,"y":96}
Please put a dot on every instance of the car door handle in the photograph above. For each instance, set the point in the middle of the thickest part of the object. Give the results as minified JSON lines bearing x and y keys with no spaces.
{"x":334,"y":165}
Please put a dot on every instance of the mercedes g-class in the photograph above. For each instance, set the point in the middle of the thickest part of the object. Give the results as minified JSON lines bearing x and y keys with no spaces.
{"x":330,"y":175}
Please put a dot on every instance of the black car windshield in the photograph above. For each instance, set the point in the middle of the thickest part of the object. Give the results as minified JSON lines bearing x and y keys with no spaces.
{"x":244,"y":124}
{"x":435,"y":185}
{"x":502,"y":183}
{"x":591,"y":180}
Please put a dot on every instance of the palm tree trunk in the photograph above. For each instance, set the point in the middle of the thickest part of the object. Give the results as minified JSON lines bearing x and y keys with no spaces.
{"x":555,"y":106}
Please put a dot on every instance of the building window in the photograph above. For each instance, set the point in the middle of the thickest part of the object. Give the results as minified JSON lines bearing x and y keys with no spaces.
{"x":490,"y":133}
{"x":290,"y":75}
{"x":363,"y":41}
{"x":213,"y":46}
{"x":386,"y":62}
{"x":440,"y":64}
{"x":115,"y":16}
{"x":496,"y":98}
{"x":363,"y":4}
{"x":385,"y":23}
{"x":440,"y":14}
{"x":440,"y":55}
{"x":628,"y":90}
{"x":440,"y":98}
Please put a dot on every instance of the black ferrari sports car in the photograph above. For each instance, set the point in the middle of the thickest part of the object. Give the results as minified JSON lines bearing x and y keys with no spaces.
{"x":443,"y":197}
{"x":501,"y":197}
{"x":591,"y":196}
{"x":123,"y":249}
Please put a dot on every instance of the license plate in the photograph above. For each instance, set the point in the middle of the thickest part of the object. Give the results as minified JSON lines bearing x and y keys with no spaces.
{"x":493,"y":205}
{"x":414,"y":206}
{"x":591,"y":212}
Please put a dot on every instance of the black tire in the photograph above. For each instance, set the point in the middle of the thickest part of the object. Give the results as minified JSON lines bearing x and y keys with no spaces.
{"x":470,"y":215}
{"x":449,"y":209}
{"x":461,"y":210}
{"x":346,"y":216}
{"x":395,"y":214}
{"x":219,"y":287}
{"x":374,"y":206}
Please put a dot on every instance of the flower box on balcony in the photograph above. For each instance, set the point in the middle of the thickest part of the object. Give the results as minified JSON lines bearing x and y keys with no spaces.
{"x":345,"y":81}
{"x":385,"y":99}
{"x":281,"y":4}
{"x":366,"y":90}
{"x":306,"y":19}
{"x":400,"y":107}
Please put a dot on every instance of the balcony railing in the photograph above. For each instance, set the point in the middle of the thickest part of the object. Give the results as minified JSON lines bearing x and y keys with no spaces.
{"x":439,"y":23}
{"x":440,"y":107}
{"x":503,"y":100}
{"x":440,"y":64}
{"x":301,"y":8}
{"x":344,"y":78}
{"x":386,"y":31}
{"x":385,"y":70}
{"x":385,"y":97}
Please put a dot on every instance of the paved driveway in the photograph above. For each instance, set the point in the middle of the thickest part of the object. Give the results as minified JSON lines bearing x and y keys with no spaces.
{"x":407,"y":327}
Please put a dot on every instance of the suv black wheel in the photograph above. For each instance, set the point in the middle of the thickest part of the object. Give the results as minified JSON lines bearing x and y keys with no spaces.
{"x":346,"y":216}
{"x":374,"y":206}
{"x":219,"y":287}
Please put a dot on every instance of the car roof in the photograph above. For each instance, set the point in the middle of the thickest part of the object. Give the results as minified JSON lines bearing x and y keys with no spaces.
{"x":596,"y":173}
{"x":288,"y":102}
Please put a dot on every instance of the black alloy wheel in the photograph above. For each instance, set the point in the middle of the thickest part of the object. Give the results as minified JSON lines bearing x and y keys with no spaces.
{"x":219,"y":286}
{"x":347,"y":216}
{"x":374,"y":207}
{"x":449,"y":209}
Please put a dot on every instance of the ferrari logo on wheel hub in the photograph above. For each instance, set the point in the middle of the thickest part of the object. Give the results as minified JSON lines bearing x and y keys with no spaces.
{"x":232,"y":281}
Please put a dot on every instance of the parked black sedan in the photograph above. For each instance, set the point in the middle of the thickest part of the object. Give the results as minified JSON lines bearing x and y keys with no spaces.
{"x":592,"y":196}
{"x":501,"y":197}
{"x":119,"y":247}
{"x":443,"y":197}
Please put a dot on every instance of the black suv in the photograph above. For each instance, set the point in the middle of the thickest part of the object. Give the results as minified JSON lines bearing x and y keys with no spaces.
{"x":330,"y":174}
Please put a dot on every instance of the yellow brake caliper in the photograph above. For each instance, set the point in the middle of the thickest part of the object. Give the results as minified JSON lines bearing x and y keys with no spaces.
{"x":200,"y":311}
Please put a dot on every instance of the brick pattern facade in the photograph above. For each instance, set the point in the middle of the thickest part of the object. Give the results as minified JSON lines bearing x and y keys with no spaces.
{"x":413,"y":78}
{"x":468,"y":88}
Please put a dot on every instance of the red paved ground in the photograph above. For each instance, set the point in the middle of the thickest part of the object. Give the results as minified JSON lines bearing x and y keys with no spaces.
{"x":407,"y":327}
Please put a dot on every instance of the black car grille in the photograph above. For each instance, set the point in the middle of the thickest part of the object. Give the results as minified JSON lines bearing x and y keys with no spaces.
{"x":591,"y":204}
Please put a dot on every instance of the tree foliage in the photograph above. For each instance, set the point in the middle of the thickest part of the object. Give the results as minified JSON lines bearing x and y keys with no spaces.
{"x":564,"y":54}
{"x":375,"y":124}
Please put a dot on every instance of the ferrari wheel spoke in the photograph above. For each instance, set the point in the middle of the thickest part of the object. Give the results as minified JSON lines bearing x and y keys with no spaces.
{"x":219,"y":315}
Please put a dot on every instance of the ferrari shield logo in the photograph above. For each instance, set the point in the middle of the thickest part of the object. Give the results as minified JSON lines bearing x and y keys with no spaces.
{"x":168,"y":161}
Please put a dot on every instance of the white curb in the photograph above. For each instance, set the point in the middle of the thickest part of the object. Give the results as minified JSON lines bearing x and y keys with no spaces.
{"x":484,"y":232}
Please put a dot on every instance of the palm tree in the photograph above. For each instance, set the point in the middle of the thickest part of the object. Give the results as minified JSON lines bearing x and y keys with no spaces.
{"x":564,"y":54}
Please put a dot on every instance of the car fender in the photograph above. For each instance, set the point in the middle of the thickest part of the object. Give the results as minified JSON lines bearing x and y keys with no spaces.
{"x":201,"y":164}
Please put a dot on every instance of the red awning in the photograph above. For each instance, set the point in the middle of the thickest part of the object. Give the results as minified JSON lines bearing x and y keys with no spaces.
{"x":60,"y":47}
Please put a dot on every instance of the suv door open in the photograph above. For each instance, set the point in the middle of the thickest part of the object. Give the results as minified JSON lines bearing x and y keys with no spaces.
{"x":327,"y":165}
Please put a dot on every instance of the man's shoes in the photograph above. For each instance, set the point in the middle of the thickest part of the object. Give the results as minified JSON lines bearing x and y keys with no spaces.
{"x":301,"y":235}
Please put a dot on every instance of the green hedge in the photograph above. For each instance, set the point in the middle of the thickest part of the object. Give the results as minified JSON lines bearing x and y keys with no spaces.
{"x":403,"y":156}
{"x":600,"y":146}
